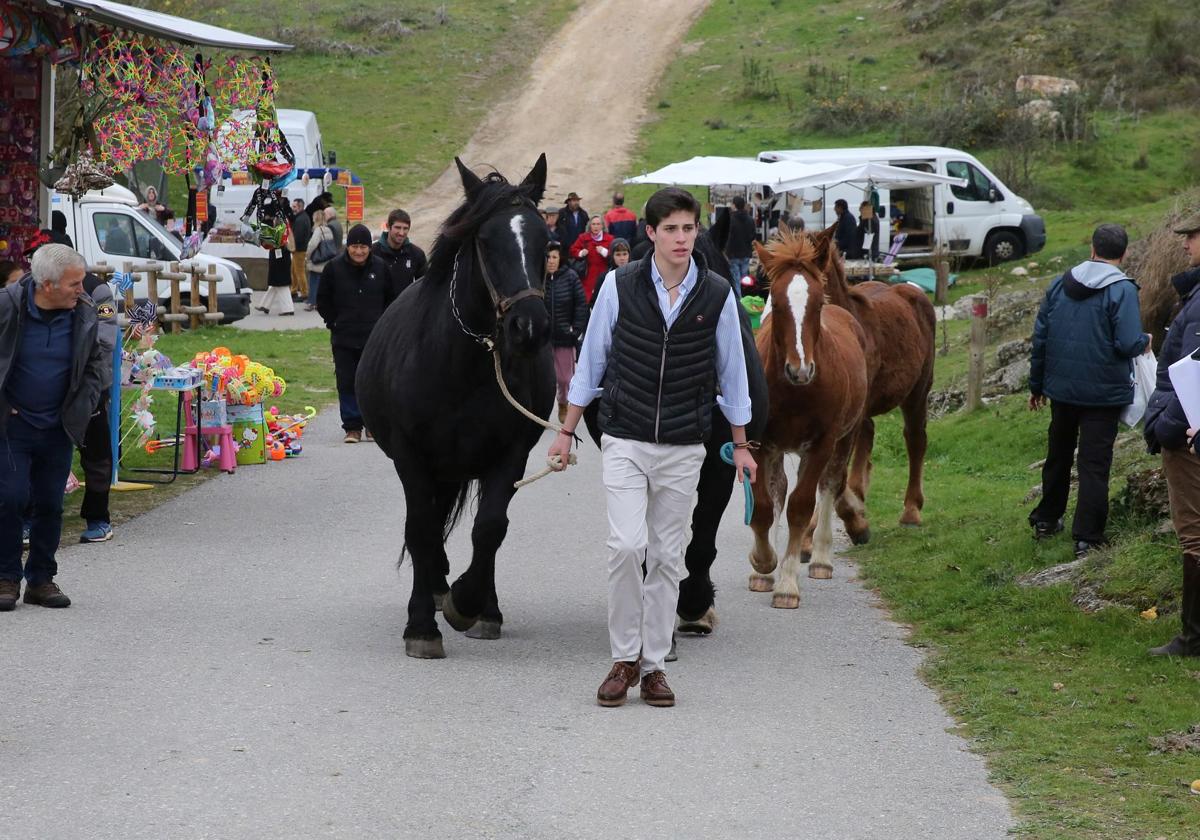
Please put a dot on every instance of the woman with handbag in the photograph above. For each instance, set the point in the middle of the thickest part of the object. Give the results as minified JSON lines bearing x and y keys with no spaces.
{"x":322,"y":247}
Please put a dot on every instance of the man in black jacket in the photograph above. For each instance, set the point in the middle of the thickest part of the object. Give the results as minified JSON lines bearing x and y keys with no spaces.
{"x":302,"y":228}
{"x":740,"y":244}
{"x":572,"y":221}
{"x":1167,"y":428}
{"x":405,"y":261}
{"x":849,"y":243}
{"x":51,"y":369}
{"x":353,"y":293}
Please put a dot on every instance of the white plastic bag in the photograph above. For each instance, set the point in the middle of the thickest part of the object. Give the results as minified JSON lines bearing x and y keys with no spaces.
{"x":1145,"y":372}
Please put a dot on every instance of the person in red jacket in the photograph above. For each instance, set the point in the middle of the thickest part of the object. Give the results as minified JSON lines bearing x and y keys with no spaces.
{"x":593,"y":245}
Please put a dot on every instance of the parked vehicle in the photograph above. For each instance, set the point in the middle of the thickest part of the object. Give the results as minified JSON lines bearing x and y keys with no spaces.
{"x":984,"y":218}
{"x":106,"y":226}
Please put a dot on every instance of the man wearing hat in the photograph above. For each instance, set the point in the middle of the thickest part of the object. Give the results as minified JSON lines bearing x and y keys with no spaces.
{"x":572,"y":221}
{"x":354,"y":291}
{"x":1167,"y":429}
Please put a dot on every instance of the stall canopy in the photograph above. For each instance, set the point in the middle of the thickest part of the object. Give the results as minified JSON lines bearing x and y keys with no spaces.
{"x":713,"y":171}
{"x":173,"y":28}
{"x":876,"y":174}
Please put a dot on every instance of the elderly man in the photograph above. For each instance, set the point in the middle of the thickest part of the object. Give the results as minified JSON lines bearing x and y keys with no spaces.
{"x":52,"y":368}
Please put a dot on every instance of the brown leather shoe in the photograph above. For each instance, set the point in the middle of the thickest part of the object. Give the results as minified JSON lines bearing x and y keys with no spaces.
{"x":353,"y":436}
{"x":10,"y":590}
{"x":622,"y":677}
{"x":655,"y":691}
{"x":46,"y":595}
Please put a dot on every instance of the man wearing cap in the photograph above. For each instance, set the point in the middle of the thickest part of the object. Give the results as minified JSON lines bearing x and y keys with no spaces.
{"x":52,"y":366}
{"x":405,"y":261}
{"x":1087,"y":334}
{"x":572,"y":221}
{"x":1167,"y":429}
{"x":354,"y":291}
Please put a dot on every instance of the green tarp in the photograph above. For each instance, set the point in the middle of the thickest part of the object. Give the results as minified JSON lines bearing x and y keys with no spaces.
{"x":926,"y":278}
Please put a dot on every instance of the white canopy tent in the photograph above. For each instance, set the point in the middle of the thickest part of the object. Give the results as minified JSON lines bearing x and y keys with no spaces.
{"x":716,"y":171}
{"x":875,"y":174}
{"x":170,"y":27}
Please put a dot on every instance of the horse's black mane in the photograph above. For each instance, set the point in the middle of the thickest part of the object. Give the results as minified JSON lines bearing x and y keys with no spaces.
{"x":466,"y":221}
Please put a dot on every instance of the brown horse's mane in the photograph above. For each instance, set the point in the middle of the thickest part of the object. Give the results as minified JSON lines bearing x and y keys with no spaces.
{"x":791,"y":251}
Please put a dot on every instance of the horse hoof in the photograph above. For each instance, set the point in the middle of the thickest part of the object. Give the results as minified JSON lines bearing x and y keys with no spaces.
{"x":424,"y":648}
{"x":862,"y":537}
{"x":820,"y":571}
{"x":672,"y":656}
{"x":761,"y":583}
{"x":805,"y":556}
{"x":701,"y":626}
{"x":916,"y":524}
{"x":454,"y":618}
{"x":438,"y":599}
{"x":785,"y":601}
{"x":485,"y":629}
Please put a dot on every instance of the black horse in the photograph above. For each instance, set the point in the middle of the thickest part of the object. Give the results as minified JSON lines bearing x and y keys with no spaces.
{"x":697,"y":594}
{"x":427,"y":389}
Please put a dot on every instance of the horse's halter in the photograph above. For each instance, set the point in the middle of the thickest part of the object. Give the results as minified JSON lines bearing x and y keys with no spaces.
{"x":501,"y":304}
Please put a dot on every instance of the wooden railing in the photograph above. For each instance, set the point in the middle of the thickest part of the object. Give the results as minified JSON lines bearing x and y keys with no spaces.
{"x":185,"y":275}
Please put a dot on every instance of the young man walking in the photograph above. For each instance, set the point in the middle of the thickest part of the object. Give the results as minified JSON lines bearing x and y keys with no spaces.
{"x":1087,"y":333}
{"x":662,"y":344}
{"x":405,"y":261}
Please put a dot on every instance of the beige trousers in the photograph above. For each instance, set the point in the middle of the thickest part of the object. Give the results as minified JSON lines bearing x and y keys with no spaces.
{"x":1182,"y":470}
{"x":650,"y":490}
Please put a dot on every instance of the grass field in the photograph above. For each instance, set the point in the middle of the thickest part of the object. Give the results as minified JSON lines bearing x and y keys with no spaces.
{"x":395,"y":88}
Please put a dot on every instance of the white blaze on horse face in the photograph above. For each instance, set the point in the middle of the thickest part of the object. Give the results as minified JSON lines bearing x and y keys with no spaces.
{"x":517,"y":226}
{"x":797,"y":293}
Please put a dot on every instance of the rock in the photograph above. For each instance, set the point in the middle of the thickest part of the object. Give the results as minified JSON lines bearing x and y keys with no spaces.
{"x":1009,"y":379}
{"x":1011,"y":351}
{"x":944,"y":402}
{"x":1041,"y":112}
{"x":1053,"y":576}
{"x":1020,"y":271}
{"x":1145,"y":495}
{"x":1047,"y":85}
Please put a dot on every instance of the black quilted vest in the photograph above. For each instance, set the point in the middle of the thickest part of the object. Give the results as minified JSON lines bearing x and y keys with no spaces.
{"x":660,"y":384}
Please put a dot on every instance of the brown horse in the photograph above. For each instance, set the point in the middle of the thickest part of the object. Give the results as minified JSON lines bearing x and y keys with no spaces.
{"x":816,"y":372}
{"x":900,"y":327}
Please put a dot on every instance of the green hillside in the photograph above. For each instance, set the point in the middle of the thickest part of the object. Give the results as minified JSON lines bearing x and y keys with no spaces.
{"x":397,"y":89}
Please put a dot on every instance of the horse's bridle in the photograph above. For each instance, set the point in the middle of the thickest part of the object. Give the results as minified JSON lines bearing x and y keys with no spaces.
{"x":500,"y":303}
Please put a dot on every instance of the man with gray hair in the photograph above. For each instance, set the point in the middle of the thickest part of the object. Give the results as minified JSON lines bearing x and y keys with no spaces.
{"x":51,"y":369}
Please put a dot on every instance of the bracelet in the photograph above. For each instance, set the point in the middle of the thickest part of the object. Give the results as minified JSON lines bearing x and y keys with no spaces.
{"x":750,"y":444}
{"x":566,"y":432}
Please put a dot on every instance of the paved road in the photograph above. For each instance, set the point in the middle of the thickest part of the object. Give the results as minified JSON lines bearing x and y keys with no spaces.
{"x":233,"y":668}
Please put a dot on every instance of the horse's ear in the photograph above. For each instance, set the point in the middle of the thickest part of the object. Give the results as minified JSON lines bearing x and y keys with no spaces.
{"x":829,"y":232}
{"x":536,"y":180}
{"x":765,"y":257}
{"x":470,"y":181}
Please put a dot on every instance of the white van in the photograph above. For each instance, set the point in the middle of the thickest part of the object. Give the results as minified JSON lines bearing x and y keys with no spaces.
{"x":107,"y":227}
{"x":984,"y":218}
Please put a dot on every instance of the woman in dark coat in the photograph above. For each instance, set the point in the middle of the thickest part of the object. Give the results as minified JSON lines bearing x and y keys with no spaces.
{"x":279,"y":282}
{"x":568,"y":310}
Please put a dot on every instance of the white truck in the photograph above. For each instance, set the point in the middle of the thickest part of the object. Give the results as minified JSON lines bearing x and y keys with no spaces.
{"x":106,"y":226}
{"x":984,"y":218}
{"x":229,"y":198}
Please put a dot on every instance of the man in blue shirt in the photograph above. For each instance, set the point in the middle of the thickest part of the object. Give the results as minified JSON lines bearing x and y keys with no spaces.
{"x":51,"y":368}
{"x":663,"y":343}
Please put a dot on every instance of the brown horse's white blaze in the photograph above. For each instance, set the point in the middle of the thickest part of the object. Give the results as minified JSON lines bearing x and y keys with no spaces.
{"x":816,"y":375}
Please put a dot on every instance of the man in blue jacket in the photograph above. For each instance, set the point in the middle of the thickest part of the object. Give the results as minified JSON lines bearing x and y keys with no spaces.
{"x":51,"y":368}
{"x":1168,"y":430}
{"x":1088,"y":332}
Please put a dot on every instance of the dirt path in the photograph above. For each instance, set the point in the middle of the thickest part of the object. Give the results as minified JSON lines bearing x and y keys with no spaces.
{"x":585,"y":122}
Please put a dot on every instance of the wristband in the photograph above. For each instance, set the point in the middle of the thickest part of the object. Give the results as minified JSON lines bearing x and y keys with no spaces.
{"x":566,"y":432}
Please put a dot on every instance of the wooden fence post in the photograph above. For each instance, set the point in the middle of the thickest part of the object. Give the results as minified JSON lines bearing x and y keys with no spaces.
{"x":979,"y":314}
{"x":941,"y":265}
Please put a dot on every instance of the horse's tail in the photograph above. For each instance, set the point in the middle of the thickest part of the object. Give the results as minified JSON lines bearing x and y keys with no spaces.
{"x":454,"y":512}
